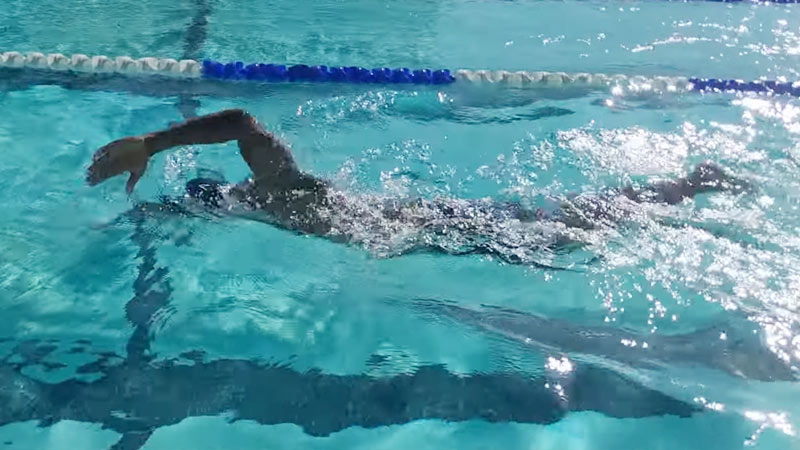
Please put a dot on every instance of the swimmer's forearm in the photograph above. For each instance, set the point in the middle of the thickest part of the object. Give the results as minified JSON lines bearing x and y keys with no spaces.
{"x":214,"y":128}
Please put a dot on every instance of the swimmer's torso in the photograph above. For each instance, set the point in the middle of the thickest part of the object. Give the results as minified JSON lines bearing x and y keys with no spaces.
{"x":382,"y":224}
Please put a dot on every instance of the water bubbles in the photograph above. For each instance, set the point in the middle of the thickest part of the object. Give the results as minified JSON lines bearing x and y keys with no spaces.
{"x":766,"y":420}
{"x":714,"y":406}
{"x":560,"y":365}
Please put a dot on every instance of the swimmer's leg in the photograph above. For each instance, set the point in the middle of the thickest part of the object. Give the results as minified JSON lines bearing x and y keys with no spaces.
{"x":706,"y":177}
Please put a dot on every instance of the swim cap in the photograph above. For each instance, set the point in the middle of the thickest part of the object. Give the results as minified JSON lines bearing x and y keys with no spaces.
{"x":206,"y":190}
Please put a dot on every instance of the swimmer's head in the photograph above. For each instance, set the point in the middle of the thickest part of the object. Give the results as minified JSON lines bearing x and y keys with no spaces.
{"x":709,"y":176}
{"x":206,"y":191}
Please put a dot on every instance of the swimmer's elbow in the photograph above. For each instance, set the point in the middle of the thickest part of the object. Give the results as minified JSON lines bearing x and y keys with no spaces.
{"x":235,"y":113}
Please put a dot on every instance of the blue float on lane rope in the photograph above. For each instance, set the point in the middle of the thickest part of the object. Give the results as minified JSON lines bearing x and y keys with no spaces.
{"x":237,"y":70}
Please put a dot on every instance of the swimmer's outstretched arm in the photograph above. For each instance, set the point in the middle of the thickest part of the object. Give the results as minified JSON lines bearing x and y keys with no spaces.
{"x":268,"y":158}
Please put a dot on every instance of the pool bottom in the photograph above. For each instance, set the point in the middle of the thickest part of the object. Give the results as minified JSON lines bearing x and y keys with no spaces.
{"x":584,"y":430}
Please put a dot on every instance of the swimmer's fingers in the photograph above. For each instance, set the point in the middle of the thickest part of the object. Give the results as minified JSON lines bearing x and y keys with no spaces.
{"x":102,"y":167}
{"x":135,"y":176}
{"x":116,"y":158}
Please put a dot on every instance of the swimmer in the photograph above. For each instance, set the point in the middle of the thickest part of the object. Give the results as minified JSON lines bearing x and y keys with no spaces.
{"x":279,"y":193}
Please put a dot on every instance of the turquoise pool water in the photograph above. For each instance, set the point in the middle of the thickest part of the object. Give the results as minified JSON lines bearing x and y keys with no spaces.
{"x":675,"y":329}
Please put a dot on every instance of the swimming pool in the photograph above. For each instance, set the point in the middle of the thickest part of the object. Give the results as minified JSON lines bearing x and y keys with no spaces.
{"x":674,"y":329}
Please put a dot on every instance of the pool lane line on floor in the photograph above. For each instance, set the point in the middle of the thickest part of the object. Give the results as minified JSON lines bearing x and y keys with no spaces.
{"x":194,"y":40}
{"x":134,"y":400}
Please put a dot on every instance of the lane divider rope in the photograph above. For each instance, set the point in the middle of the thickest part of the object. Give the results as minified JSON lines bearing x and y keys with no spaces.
{"x":186,"y":68}
{"x":208,"y":69}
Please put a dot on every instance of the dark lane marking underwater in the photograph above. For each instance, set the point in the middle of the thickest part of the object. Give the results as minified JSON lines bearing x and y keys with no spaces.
{"x":740,"y":354}
{"x":134,"y":399}
{"x":197,"y":32}
{"x":151,"y":287}
{"x":152,"y":291}
{"x":195,"y":38}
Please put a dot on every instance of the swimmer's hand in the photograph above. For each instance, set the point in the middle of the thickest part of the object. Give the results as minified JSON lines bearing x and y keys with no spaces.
{"x":128,"y":154}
